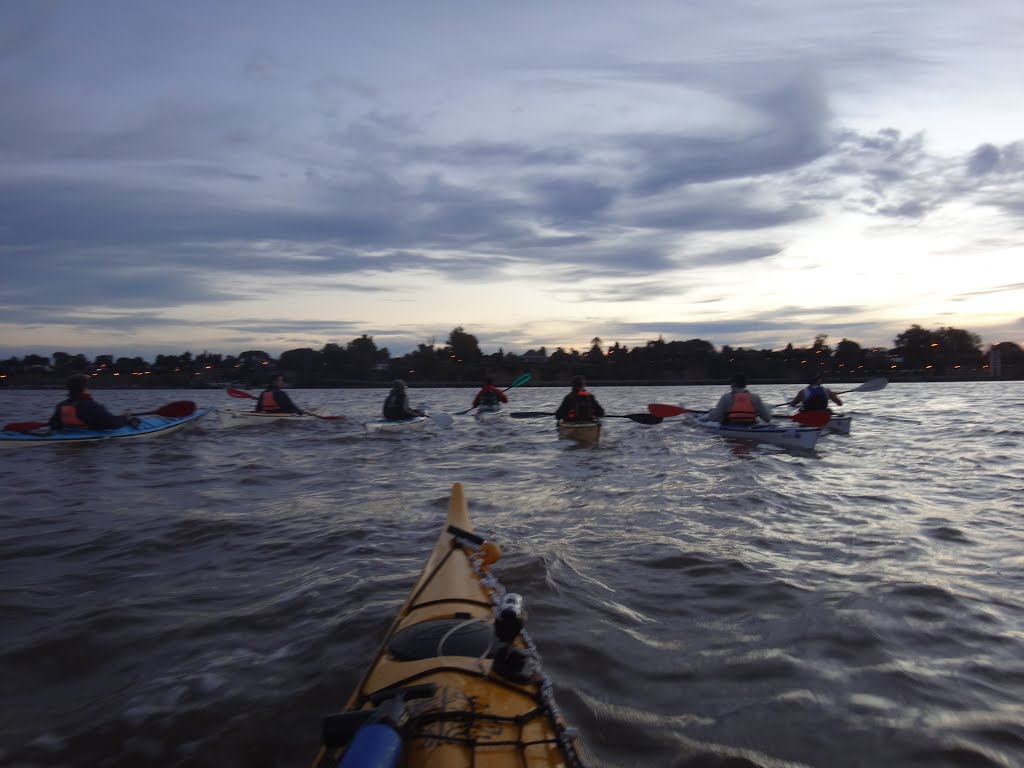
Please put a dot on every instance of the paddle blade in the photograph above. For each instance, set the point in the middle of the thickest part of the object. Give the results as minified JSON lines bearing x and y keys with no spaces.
{"x":871,"y":385}
{"x":240,"y":393}
{"x":178,"y":409}
{"x":520,"y":381}
{"x":24,"y":426}
{"x":443,"y":420}
{"x":639,"y":418}
{"x":810,"y":418}
{"x":328,"y":418}
{"x":530,"y":414}
{"x":664,"y":411}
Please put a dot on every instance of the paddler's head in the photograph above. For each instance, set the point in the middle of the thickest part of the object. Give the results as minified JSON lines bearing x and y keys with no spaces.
{"x":77,"y":384}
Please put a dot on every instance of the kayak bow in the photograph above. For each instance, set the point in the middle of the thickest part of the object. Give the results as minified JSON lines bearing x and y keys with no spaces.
{"x":457,"y":681}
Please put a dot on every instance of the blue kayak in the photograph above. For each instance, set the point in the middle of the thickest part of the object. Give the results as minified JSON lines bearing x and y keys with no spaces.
{"x":149,"y":426}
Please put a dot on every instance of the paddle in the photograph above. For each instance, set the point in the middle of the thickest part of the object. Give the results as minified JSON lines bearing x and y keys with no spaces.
{"x":806,"y":418}
{"x":175,"y":410}
{"x":443,"y":420}
{"x":518,"y":382}
{"x":243,"y":394}
{"x":24,"y":426}
{"x":871,"y":385}
{"x":639,"y":418}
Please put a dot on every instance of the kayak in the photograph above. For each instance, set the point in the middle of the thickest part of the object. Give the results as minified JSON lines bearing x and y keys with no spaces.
{"x":583,"y":432}
{"x":485,"y":414}
{"x":149,"y":426}
{"x":804,"y":438}
{"x":404,"y":425}
{"x":234,"y":417}
{"x":457,"y":681}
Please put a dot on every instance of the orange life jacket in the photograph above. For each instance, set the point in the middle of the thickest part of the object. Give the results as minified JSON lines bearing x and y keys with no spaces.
{"x":742,"y":409}
{"x":69,"y":416}
{"x":268,"y":402}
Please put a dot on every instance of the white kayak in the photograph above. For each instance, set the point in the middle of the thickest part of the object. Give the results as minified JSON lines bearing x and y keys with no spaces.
{"x":489,"y":413}
{"x":804,"y":438}
{"x":235,"y":417}
{"x":404,"y":425}
{"x":149,"y":426}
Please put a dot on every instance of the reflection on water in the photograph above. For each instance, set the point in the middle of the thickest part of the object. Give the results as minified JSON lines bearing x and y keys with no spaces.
{"x":204,"y":598}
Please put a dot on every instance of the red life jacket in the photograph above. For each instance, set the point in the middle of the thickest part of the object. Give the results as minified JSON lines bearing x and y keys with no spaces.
{"x":268,"y":402}
{"x":69,"y":416}
{"x":742,"y":409}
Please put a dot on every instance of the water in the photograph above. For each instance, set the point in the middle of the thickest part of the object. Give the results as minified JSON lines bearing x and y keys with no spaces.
{"x":204,"y":598}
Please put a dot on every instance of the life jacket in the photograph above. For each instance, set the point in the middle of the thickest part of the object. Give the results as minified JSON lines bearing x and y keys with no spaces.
{"x":742,"y":409}
{"x":489,"y":396}
{"x":69,"y":416}
{"x":394,"y":407}
{"x":582,"y":407}
{"x":268,"y":402}
{"x":815,"y":398}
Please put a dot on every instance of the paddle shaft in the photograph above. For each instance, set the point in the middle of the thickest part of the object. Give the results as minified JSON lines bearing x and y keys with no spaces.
{"x":639,"y":418}
{"x":806,"y":418}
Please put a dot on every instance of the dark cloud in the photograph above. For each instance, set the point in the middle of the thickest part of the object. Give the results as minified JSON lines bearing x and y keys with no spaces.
{"x":159,"y":190}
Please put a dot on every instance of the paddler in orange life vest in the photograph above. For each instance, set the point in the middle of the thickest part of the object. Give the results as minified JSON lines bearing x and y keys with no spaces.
{"x":738,"y":406}
{"x":815,"y":397}
{"x":489,"y":397}
{"x":80,"y":411}
{"x":579,"y":405}
{"x":273,"y":399}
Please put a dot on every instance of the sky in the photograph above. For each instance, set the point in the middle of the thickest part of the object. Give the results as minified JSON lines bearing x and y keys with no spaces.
{"x":235,"y":175}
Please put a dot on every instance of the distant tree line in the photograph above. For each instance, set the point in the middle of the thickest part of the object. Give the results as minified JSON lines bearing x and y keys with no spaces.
{"x":948,"y":353}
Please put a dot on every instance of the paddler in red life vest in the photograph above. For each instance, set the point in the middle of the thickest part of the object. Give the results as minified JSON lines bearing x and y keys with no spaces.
{"x":815,"y":397}
{"x":273,"y":399}
{"x":738,"y":406}
{"x":489,"y":398}
{"x":80,"y":411}
{"x":579,"y":405}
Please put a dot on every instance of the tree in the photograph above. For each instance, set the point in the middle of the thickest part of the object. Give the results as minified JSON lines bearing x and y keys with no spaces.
{"x":849,"y":354}
{"x":464,"y":346}
{"x":914,"y":345}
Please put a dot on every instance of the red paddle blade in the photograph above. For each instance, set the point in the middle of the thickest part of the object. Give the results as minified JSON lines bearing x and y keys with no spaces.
{"x":24,"y":426}
{"x":665,"y":411}
{"x":811,"y":418}
{"x":178,"y":409}
{"x":240,"y":393}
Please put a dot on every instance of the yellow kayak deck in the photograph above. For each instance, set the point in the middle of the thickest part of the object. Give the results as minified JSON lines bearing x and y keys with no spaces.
{"x":490,"y":705}
{"x":584,"y":432}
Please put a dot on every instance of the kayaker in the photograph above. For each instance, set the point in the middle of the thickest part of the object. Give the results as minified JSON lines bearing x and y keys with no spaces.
{"x":80,"y":411}
{"x":579,"y":405}
{"x":738,"y":406}
{"x":274,"y":399}
{"x":489,"y":397}
{"x":814,"y":397}
{"x":396,"y":405}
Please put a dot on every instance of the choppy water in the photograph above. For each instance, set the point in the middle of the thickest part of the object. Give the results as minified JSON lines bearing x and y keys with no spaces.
{"x":206,"y":597}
